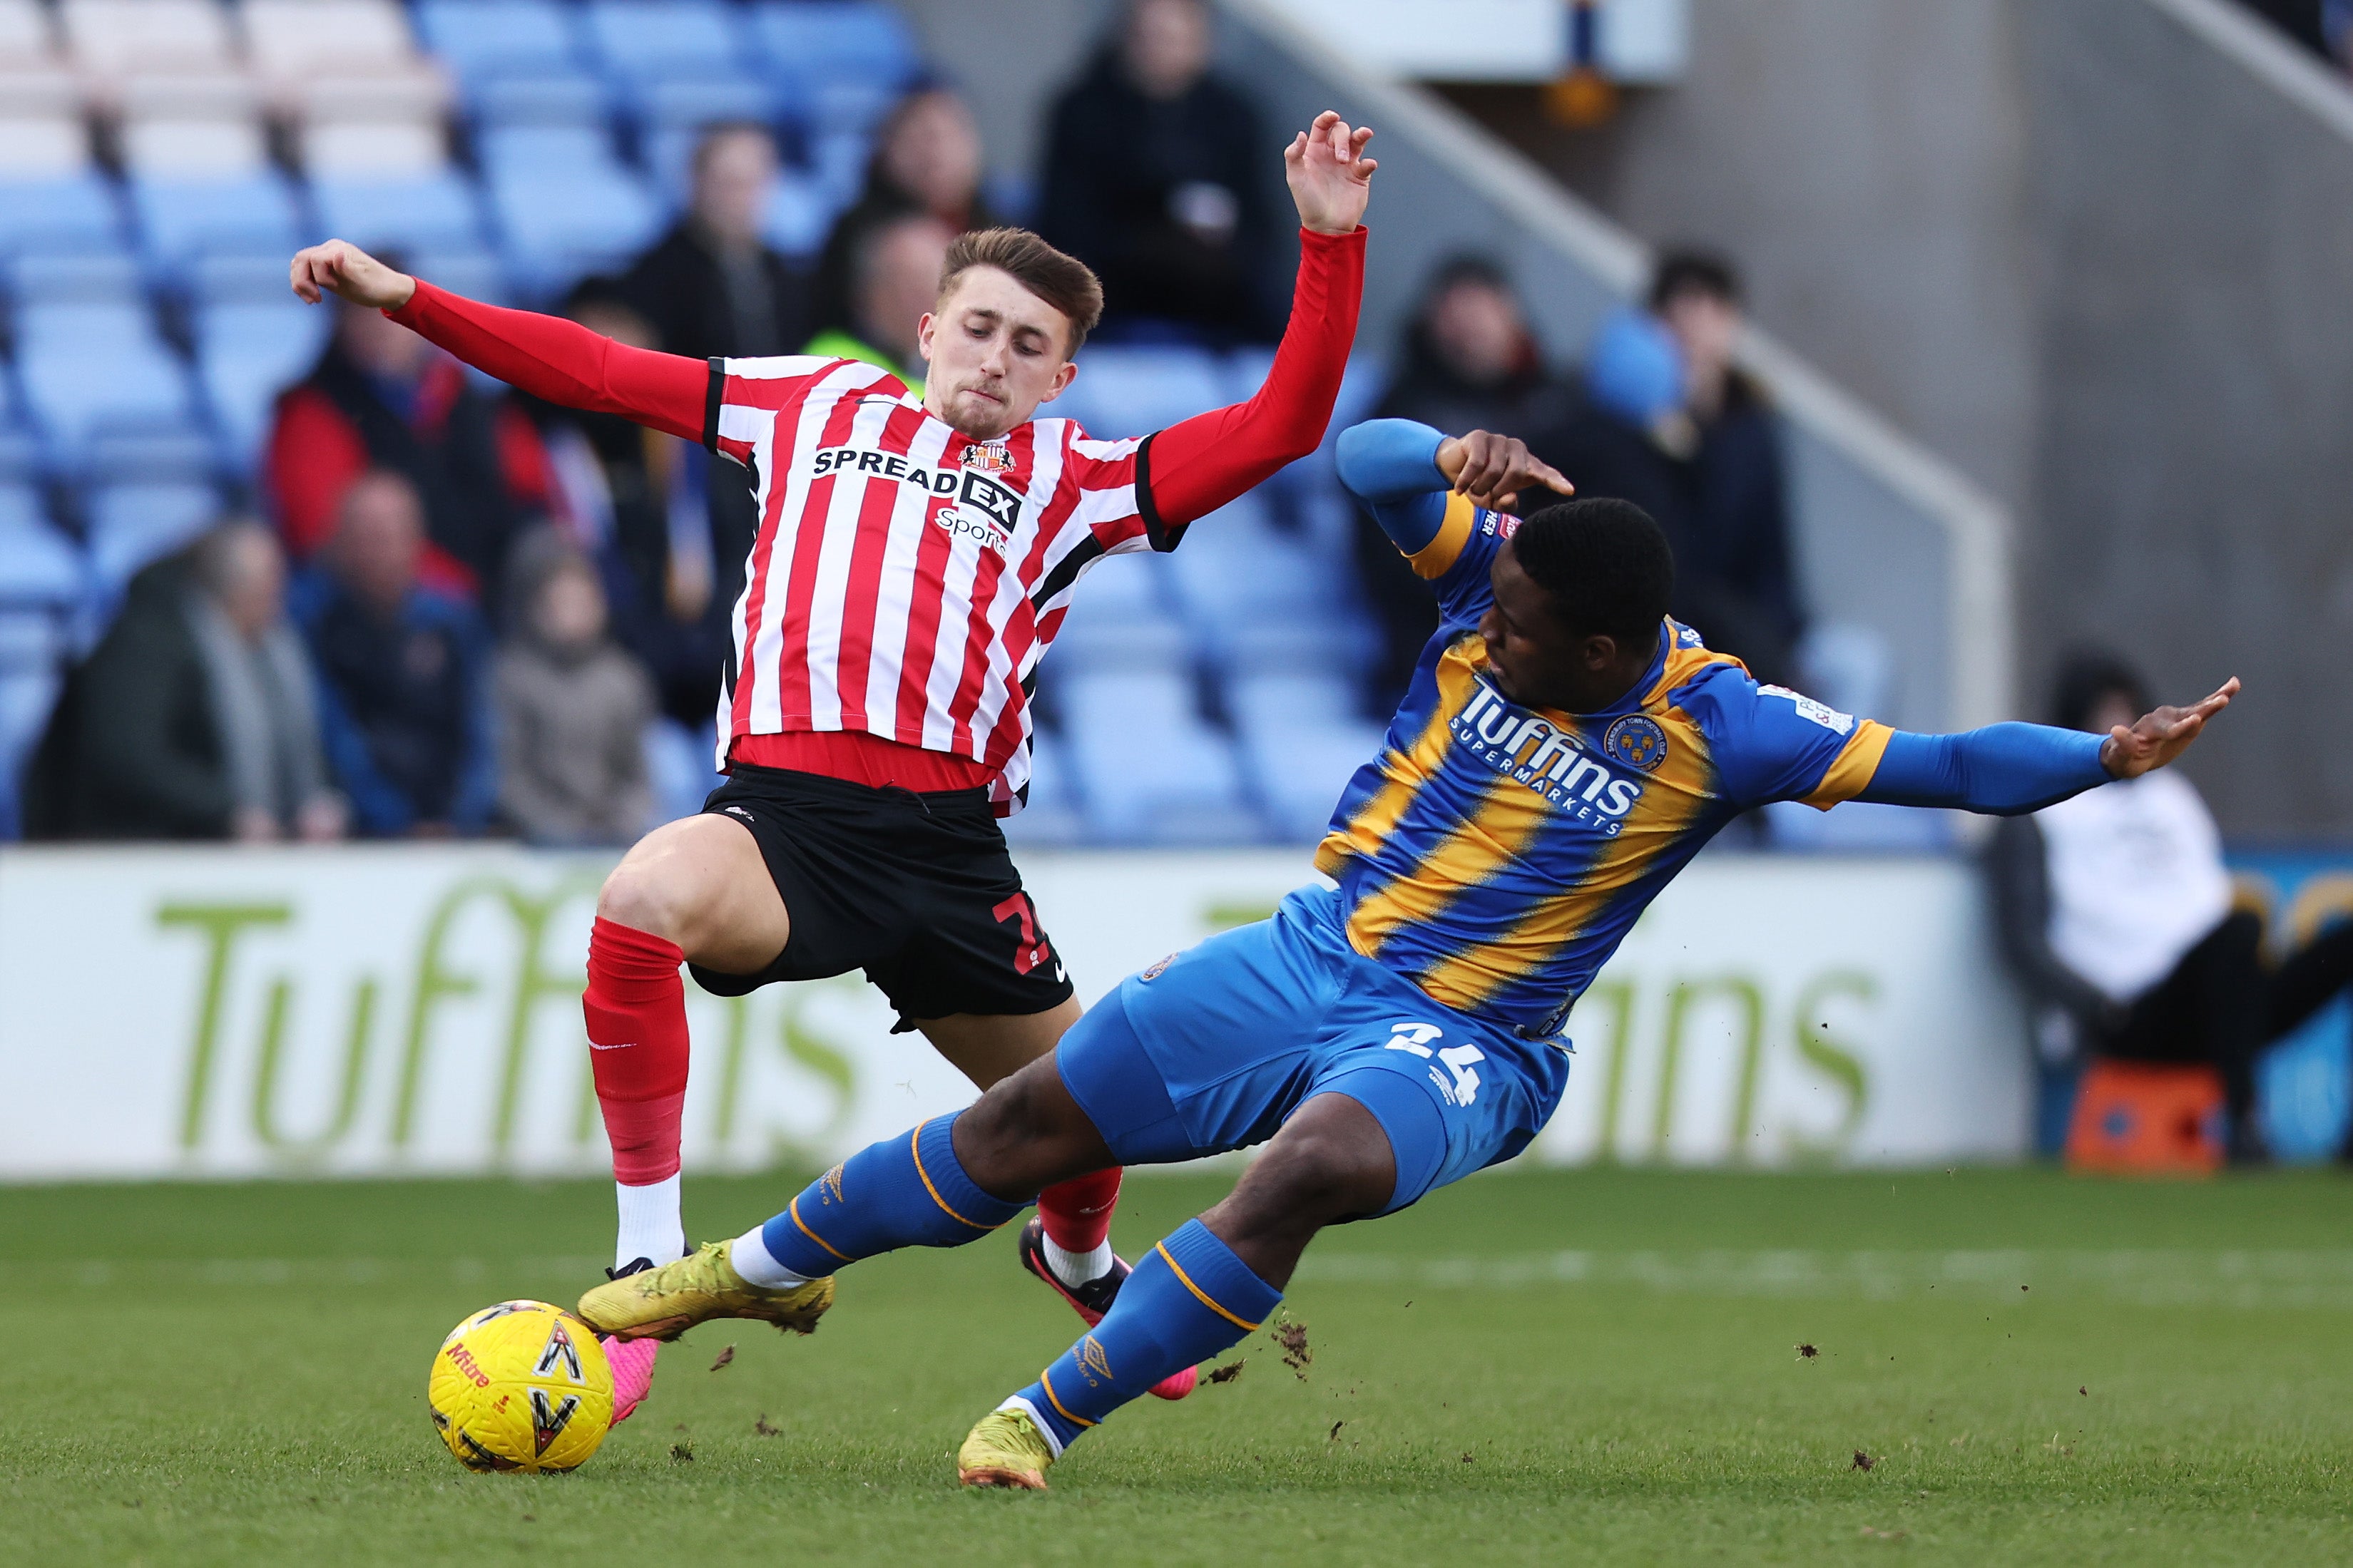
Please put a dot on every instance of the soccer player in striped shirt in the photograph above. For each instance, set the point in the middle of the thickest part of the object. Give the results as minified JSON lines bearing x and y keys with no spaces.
{"x":1562,"y":751}
{"x":914,"y":561}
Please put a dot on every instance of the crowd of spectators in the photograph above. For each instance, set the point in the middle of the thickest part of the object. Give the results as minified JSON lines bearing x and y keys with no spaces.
{"x":476,"y":613}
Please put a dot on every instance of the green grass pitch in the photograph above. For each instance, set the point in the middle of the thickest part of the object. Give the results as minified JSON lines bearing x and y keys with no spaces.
{"x":1596,"y":1367}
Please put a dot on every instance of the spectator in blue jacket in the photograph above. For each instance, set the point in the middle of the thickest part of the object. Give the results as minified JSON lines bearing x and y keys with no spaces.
{"x":402,"y":705}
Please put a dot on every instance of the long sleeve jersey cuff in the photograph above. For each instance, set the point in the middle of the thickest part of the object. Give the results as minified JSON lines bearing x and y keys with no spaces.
{"x":1194,"y":467}
{"x":563,"y":361}
{"x":2002,"y":769}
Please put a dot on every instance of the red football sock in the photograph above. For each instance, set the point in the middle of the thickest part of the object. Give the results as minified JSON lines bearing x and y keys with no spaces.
{"x":636,"y":1007}
{"x":1078,"y":1211}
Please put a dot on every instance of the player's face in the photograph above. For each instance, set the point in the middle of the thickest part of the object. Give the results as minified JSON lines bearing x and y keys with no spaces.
{"x":996,"y":352}
{"x":1536,"y":661}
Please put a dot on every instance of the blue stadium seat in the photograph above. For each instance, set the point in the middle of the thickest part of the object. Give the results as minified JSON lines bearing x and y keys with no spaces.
{"x":1301,"y":739}
{"x":820,"y":39}
{"x":247,"y":352}
{"x":86,"y":367}
{"x":96,"y":275}
{"x":528,"y":150}
{"x":476,"y":273}
{"x":544,"y":97}
{"x":479,"y":37}
{"x":801,"y":212}
{"x":563,"y":223}
{"x":178,"y":218}
{"x":1119,"y":619}
{"x":122,"y":453}
{"x":852,"y":106}
{"x":1124,"y":391}
{"x":1235,"y":573}
{"x":1052,"y":815}
{"x":404,"y":213}
{"x":673,"y":103}
{"x":226,"y":276}
{"x":39,"y":567}
{"x":132,"y":525}
{"x":665,"y":38}
{"x":81,"y":211}
{"x":1149,"y":770}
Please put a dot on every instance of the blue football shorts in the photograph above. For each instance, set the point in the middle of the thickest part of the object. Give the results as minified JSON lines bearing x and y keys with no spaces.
{"x":1214,"y":1048}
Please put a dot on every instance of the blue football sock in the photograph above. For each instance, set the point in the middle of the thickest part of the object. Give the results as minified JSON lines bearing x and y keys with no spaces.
{"x":1189,"y":1298}
{"x":908,"y":1191}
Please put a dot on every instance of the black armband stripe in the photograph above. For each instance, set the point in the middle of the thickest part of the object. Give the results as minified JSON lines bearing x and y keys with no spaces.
{"x":711,"y":400}
{"x":1162,"y":536}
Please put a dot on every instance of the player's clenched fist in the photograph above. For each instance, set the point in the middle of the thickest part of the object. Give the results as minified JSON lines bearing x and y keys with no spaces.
{"x":342,"y":268}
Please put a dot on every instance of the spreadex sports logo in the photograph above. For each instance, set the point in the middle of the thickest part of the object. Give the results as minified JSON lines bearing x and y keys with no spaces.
{"x":1551,"y":761}
{"x":985,"y":510}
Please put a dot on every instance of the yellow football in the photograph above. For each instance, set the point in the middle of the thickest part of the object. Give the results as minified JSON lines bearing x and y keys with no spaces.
{"x":521,"y":1386}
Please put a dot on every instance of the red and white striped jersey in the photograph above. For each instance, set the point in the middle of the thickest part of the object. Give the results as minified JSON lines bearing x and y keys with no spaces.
{"x":905,"y":579}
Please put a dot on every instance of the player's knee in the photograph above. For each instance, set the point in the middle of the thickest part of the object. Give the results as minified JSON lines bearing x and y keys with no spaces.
{"x":1025,"y":1133}
{"x":638,"y":895}
{"x":1322,"y":1174}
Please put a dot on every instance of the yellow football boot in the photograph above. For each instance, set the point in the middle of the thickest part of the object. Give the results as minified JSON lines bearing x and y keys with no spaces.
{"x":1005,"y":1451}
{"x":663,"y":1303}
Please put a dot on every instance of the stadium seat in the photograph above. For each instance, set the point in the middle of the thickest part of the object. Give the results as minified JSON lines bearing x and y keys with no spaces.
{"x":476,"y":273}
{"x":247,"y":352}
{"x":1236,"y":574}
{"x":538,"y":97}
{"x":801,"y":211}
{"x":213,"y":147}
{"x":378,"y":149}
{"x":348,"y":59}
{"x":179,"y":217}
{"x":820,"y":40}
{"x":1301,"y":739}
{"x":39,"y":568}
{"x":675,"y":103}
{"x":86,"y":367}
{"x":97,"y":275}
{"x":484,"y":37}
{"x":638,"y":38}
{"x":162,"y":454}
{"x":560,"y":225}
{"x":1050,"y":815}
{"x":74,"y":211}
{"x":1124,"y":391}
{"x":1148,"y":769}
{"x":36,"y":144}
{"x":132,"y":525}
{"x":1118,"y":618}
{"x":111,"y":40}
{"x":435,"y":211}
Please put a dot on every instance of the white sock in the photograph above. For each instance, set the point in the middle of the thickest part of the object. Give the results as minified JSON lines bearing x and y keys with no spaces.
{"x":651,"y":1225}
{"x":1077,"y":1269}
{"x":1044,"y":1430}
{"x":753,"y":1260}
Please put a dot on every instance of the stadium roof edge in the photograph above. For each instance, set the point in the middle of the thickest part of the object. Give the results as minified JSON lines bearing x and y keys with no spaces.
{"x":1979,"y":592}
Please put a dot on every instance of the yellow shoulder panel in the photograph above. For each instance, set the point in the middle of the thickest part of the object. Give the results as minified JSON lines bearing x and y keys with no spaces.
{"x":1433,"y":559}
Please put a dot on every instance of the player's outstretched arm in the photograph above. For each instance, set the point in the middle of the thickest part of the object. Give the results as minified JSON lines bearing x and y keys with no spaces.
{"x":2005,"y":770}
{"x":546,"y":356}
{"x":1197,"y":466}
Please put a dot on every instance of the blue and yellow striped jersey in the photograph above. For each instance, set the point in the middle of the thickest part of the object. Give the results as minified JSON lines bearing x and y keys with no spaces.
{"x":1496,"y":855}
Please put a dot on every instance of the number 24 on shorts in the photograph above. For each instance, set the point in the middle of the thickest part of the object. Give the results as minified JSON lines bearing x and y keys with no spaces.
{"x":1416,"y":1038}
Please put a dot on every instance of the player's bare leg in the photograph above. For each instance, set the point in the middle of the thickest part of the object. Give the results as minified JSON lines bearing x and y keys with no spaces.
{"x":1066,"y":1244}
{"x":693,"y":890}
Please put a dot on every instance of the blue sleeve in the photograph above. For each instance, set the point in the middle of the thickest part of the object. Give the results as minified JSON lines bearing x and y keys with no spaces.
{"x":1391,"y":466}
{"x":477,"y":794}
{"x":379,"y":808}
{"x":2003,"y":770}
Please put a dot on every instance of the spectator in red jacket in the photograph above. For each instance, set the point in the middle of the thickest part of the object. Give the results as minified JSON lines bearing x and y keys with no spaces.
{"x":381,"y":397}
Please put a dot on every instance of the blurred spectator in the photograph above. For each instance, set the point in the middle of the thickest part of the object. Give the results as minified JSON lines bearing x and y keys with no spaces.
{"x":1671,"y":425}
{"x":1155,"y":177}
{"x":572,"y":706}
{"x":383,"y":397}
{"x":712,"y":285}
{"x":401,"y":703}
{"x":2115,"y":911}
{"x":894,"y":280}
{"x":926,"y":160}
{"x":1470,"y":362}
{"x":195,"y":718}
{"x":632,"y":499}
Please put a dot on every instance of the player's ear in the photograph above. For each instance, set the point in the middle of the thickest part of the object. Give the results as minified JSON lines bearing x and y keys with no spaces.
{"x":1065,"y":374}
{"x":923,"y":335}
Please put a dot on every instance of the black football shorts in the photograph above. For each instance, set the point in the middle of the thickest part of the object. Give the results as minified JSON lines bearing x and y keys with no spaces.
{"x":917,"y":889}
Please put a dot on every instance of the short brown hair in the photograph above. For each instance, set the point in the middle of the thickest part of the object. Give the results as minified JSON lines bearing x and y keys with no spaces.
{"x":1063,"y":281}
